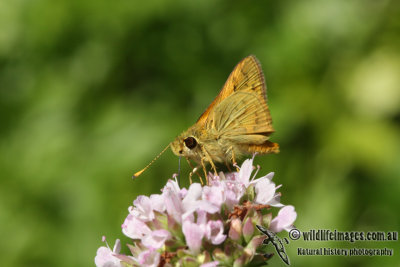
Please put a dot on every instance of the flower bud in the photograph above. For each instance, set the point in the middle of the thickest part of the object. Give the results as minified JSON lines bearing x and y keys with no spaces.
{"x":248,"y":229}
{"x":235,"y":231}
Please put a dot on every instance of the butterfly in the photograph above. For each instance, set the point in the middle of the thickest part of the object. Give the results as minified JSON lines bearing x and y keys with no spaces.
{"x":236,"y":123}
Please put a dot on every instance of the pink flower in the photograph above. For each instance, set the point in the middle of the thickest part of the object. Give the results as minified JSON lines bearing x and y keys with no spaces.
{"x":149,"y":258}
{"x":265,"y":191}
{"x":174,"y":186}
{"x":156,"y":239}
{"x":173,"y":203}
{"x":192,"y":195}
{"x":214,"y":194}
{"x":215,"y":232}
{"x":284,"y":220}
{"x":201,"y":225}
{"x":222,"y":192}
{"x":157,"y":202}
{"x":193,"y":201}
{"x":194,"y":235}
{"x":142,"y":209}
{"x":245,"y":171}
{"x":135,"y":228}
{"x":233,"y":192}
{"x":210,"y":264}
{"x":105,"y":257}
{"x":201,"y":218}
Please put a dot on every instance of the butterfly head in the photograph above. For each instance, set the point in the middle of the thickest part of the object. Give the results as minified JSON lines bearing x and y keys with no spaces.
{"x":185,"y":145}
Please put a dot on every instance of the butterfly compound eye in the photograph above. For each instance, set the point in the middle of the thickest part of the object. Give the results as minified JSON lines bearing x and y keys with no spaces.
{"x":190,"y":142}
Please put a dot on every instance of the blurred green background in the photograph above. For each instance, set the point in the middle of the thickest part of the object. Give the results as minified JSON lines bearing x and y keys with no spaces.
{"x":91,"y":91}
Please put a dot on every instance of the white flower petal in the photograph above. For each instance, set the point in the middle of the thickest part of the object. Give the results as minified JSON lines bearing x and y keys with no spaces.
{"x":245,"y":172}
{"x":265,"y":191}
{"x":157,"y":202}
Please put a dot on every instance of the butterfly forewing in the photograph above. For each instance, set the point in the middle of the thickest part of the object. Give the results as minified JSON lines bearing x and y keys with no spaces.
{"x":246,"y":76}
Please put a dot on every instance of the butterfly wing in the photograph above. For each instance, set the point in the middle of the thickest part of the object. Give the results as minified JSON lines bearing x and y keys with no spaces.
{"x":240,"y":112}
{"x":246,"y":76}
{"x":241,"y":106}
{"x":243,"y":117}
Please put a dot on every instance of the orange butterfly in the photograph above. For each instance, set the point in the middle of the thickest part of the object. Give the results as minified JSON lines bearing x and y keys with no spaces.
{"x":236,"y":123}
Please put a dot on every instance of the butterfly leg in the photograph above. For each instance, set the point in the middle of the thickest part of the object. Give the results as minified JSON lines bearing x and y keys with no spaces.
{"x":194,"y":171}
{"x":234,"y":163}
{"x":205,"y":170}
{"x":209,"y":160}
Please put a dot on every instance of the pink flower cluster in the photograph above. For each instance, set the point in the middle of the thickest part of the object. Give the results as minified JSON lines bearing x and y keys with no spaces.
{"x":203,"y":225}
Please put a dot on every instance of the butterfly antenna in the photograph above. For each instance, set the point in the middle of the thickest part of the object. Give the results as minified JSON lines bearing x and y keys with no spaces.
{"x":148,"y":165}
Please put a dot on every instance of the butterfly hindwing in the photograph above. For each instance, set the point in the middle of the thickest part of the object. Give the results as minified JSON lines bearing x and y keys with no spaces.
{"x":242,"y":113}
